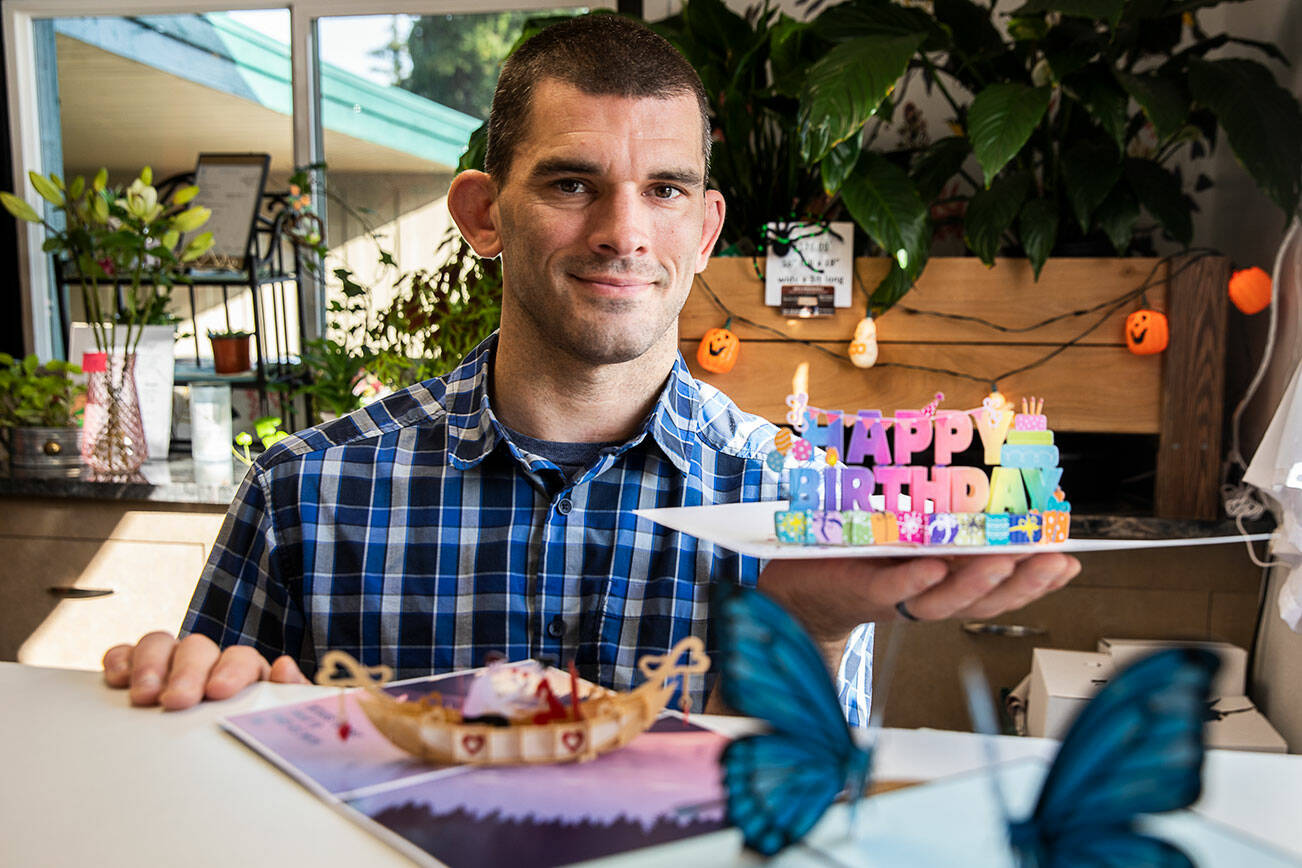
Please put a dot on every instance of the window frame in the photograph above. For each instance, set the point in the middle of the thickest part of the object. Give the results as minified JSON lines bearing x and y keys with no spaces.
{"x":24,"y":125}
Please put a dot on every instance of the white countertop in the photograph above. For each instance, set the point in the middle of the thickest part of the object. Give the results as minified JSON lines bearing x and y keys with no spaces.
{"x":89,"y":780}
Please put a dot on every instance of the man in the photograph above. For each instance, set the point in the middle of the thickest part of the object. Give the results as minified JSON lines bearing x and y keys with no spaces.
{"x":491,"y":510}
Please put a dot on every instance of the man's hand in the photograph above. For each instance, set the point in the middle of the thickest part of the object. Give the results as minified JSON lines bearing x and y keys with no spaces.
{"x":176,"y":673}
{"x":830,"y":597}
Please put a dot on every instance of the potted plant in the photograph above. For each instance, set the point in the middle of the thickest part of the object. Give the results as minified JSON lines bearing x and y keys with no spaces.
{"x":230,"y":351}
{"x":434,"y":318}
{"x":1074,"y":114}
{"x":124,"y":248}
{"x":39,"y":416}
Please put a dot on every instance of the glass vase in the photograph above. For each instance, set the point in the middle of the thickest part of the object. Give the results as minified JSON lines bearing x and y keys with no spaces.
{"x":113,"y":436}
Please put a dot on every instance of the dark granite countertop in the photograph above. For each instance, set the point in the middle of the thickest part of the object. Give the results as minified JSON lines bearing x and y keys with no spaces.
{"x":177,"y":480}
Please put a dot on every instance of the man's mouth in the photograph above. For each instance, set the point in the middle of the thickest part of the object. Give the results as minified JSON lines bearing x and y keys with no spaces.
{"x":620,"y":280}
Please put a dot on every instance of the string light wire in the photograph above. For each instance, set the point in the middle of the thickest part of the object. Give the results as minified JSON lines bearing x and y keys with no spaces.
{"x":1112,"y":305}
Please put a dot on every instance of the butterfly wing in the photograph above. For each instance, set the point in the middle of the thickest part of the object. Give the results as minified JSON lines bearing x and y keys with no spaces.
{"x":780,"y":783}
{"x":1136,"y":748}
{"x":1116,"y":848}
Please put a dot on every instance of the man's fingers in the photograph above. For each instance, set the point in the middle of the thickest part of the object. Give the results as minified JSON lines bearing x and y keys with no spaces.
{"x":285,"y":671}
{"x":1032,"y":579}
{"x":191,"y":663}
{"x":117,"y":665}
{"x":150,"y":662}
{"x":969,"y":580}
{"x":237,"y":668}
{"x":904,"y":580}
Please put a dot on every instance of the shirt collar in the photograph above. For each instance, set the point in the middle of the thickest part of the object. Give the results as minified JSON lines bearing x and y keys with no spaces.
{"x":474,"y":431}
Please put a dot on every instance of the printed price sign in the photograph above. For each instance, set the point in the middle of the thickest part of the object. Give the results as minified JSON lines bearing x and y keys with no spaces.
{"x":815,"y":256}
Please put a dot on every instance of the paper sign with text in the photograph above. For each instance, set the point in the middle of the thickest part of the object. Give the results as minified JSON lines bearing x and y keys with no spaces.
{"x":815,"y":256}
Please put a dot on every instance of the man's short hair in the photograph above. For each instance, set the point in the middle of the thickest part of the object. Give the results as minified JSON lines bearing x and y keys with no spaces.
{"x":601,"y":55}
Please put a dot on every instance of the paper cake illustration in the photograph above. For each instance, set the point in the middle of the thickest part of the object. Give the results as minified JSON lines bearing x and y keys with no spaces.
{"x":836,"y":465}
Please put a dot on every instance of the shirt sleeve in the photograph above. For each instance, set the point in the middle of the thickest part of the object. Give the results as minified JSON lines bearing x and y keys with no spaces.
{"x":854,"y":677}
{"x":243,"y":597}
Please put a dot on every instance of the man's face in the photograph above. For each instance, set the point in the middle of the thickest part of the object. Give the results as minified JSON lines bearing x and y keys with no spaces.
{"x":603,"y":220}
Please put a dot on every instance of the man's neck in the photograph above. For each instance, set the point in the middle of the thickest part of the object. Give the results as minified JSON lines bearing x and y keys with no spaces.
{"x":549,"y":395}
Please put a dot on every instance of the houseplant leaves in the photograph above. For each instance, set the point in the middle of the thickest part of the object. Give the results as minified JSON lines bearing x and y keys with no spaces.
{"x":1000,"y":121}
{"x":846,"y":87}
{"x":1261,"y":119}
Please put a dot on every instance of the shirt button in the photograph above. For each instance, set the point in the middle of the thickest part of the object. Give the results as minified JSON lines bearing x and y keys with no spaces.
{"x":556,"y":627}
{"x":565,"y":506}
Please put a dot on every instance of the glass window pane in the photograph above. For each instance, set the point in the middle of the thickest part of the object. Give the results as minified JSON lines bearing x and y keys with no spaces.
{"x":158,"y":90}
{"x":400,"y":97}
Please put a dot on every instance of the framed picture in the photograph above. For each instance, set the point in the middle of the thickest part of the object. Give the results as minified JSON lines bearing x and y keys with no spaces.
{"x":231,"y":186}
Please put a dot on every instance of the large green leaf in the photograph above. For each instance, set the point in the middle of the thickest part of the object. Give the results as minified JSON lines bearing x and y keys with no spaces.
{"x":885,"y":204}
{"x":970,"y":26}
{"x":838,"y":164}
{"x":1163,"y":99}
{"x":711,"y":24}
{"x":789,"y":42}
{"x":936,"y":165}
{"x":1117,"y":216}
{"x":845,"y":21}
{"x":1070,"y":45}
{"x":1161,"y":194}
{"x":1000,"y":120}
{"x":19,"y":208}
{"x":1261,"y":119}
{"x":1105,"y":100}
{"x":990,"y":213}
{"x":1037,"y":226}
{"x":893,"y":286}
{"x":846,"y":86}
{"x":1108,"y":10}
{"x":1090,"y":169}
{"x":47,"y":188}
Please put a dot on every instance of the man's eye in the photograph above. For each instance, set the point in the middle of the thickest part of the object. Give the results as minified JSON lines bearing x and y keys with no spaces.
{"x":570,"y":185}
{"x":666,"y":191}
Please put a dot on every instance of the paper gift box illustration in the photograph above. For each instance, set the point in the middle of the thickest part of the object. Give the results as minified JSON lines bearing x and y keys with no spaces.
{"x":913,"y":527}
{"x":886,"y":529}
{"x":1057,"y":525}
{"x":858,"y":527}
{"x":942,"y":528}
{"x":827,"y":527}
{"x":971,"y":529}
{"x":1024,"y":528}
{"x":793,"y":526}
{"x":997,"y":525}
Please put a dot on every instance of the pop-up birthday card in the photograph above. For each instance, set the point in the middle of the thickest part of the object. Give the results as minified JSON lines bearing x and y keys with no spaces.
{"x":866,"y":484}
{"x":881,"y":494}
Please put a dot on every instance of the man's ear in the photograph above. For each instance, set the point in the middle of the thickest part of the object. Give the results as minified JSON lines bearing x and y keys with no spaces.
{"x":470,"y":202}
{"x":711,"y":227}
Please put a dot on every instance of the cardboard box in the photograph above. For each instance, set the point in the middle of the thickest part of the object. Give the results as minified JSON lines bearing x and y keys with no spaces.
{"x":1238,"y":725}
{"x":1231,"y":678}
{"x":1062,"y":682}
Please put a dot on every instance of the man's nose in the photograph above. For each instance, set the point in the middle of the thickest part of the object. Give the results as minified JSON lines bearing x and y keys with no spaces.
{"x":620,"y":223}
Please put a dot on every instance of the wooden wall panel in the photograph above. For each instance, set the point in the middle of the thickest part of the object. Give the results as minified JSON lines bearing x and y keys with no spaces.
{"x":1006,"y":294}
{"x":1189,"y":455}
{"x":1094,"y":385}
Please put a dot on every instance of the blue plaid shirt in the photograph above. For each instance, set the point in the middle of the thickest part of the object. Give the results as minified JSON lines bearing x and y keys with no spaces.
{"x":414,"y":533}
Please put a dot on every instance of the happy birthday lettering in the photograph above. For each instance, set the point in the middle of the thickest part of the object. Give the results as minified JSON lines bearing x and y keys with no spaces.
{"x":1019,"y":500}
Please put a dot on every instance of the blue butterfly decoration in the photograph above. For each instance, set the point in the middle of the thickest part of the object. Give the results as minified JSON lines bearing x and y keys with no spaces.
{"x":1137,"y":748}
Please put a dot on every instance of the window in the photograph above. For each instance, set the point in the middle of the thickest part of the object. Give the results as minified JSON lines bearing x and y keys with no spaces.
{"x":237,"y":64}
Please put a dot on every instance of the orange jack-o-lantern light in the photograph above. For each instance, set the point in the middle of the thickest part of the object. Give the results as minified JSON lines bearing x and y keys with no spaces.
{"x":718,"y":350}
{"x":1250,"y":290}
{"x":1146,"y":332}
